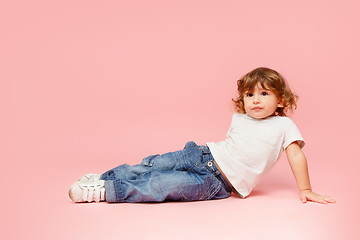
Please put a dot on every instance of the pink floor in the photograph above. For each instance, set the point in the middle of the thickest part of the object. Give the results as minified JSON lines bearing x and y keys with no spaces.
{"x":37,"y":207}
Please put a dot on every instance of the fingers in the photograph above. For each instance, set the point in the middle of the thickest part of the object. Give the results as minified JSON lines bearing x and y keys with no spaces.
{"x":308,"y":195}
{"x":319,"y":199}
{"x":325,"y":199}
{"x":329,"y":199}
{"x":322,"y":199}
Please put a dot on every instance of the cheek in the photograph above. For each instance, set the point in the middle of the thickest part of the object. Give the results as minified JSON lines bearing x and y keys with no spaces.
{"x":246,"y":104}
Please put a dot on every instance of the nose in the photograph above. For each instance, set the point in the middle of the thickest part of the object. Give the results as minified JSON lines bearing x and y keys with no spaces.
{"x":256,"y":99}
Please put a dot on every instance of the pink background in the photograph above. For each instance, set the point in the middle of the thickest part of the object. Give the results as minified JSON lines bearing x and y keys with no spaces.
{"x":88,"y":85}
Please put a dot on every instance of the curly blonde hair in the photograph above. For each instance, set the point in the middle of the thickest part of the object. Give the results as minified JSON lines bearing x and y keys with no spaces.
{"x":271,"y":80}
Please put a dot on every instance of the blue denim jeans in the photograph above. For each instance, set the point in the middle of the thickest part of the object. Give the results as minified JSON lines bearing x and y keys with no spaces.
{"x":186,"y":175}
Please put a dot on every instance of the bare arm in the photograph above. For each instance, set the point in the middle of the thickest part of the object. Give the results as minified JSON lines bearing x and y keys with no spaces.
{"x":299,"y":168}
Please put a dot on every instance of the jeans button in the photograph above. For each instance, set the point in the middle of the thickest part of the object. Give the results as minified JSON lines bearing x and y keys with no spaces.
{"x":210,"y":164}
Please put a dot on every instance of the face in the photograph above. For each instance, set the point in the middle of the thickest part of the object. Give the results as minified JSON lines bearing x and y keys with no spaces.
{"x":260,"y":103}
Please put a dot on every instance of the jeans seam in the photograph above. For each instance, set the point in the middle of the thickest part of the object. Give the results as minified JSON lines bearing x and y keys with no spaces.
{"x":182,"y":194}
{"x":119,"y":193}
{"x":211,"y":191}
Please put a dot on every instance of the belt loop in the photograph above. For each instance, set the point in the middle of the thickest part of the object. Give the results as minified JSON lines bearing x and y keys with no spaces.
{"x":205,"y":149}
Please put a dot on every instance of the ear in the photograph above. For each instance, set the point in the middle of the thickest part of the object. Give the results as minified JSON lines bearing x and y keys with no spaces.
{"x":280,"y":104}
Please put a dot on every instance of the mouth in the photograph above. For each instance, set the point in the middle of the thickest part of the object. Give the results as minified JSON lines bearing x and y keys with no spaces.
{"x":256,"y":109}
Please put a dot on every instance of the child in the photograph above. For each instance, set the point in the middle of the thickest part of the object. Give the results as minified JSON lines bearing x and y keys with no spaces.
{"x":258,"y":133}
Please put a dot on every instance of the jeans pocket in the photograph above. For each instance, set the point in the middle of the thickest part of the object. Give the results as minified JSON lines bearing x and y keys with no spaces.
{"x":164,"y":162}
{"x":205,"y":189}
{"x":149,"y":161}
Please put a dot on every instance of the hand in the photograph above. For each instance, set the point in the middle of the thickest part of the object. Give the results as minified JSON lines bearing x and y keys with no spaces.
{"x":308,"y":195}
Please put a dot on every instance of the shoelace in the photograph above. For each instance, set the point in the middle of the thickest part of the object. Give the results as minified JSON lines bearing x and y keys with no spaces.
{"x":90,"y":177}
{"x":93,"y":191}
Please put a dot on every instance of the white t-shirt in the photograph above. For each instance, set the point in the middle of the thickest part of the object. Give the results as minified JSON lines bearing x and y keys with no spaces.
{"x":252,"y":147}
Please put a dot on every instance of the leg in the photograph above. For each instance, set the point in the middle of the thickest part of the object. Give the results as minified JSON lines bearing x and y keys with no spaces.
{"x":157,"y":186}
{"x":180,"y":176}
{"x":183,"y":175}
{"x":179,"y":160}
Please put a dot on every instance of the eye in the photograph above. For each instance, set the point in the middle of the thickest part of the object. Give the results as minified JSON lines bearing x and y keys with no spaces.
{"x":249,"y":94}
{"x":264,"y":93}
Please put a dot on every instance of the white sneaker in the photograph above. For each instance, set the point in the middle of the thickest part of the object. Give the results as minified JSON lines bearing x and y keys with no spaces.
{"x":90,"y":177}
{"x":87,"y":191}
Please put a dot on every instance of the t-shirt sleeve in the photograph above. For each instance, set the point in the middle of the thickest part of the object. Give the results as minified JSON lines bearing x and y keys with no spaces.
{"x":292,"y":134}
